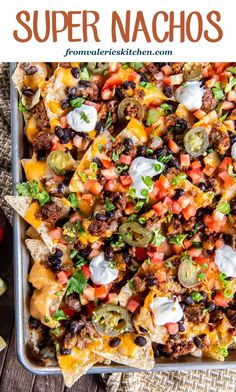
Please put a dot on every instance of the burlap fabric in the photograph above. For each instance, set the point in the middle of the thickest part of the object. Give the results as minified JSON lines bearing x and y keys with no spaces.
{"x":192,"y":381}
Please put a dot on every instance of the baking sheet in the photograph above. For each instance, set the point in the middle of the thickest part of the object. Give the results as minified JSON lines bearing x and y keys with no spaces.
{"x":21,"y":266}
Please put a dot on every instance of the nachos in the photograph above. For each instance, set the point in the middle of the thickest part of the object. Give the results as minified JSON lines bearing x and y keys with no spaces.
{"x":130,"y":194}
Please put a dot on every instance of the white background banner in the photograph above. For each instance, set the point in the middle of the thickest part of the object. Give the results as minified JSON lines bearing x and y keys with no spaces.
{"x":184,"y":30}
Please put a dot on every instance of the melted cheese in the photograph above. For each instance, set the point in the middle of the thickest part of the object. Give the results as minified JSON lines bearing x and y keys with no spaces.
{"x":65,"y":76}
{"x":30,"y":215}
{"x":40,"y":276}
{"x":154,"y":95}
{"x":37,"y":80}
{"x":55,"y":107}
{"x":138,"y":130}
{"x":35,"y":170}
{"x":31,"y":129}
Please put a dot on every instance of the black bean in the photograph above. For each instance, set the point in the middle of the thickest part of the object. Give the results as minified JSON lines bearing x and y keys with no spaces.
{"x":74,"y":327}
{"x":115,"y":342}
{"x":188,"y":300}
{"x":143,"y":329}
{"x":58,"y":253}
{"x":140,"y":341}
{"x":227,"y":238}
{"x":142,"y":151}
{"x":175,"y":163}
{"x":84,"y":252}
{"x":75,"y":72}
{"x":128,"y":143}
{"x":204,"y":295}
{"x":126,"y":257}
{"x":127,"y":84}
{"x":210,"y":306}
{"x":99,"y":127}
{"x":28,"y":92}
{"x":202,"y":186}
{"x":118,"y":93}
{"x":197,"y":341}
{"x":42,"y":344}
{"x":156,"y":352}
{"x":65,"y":351}
{"x":65,"y":104}
{"x":33,"y":323}
{"x":232,"y":139}
{"x":168,"y":91}
{"x":54,"y":263}
{"x":72,"y":91}
{"x":101,"y":217}
{"x":153,"y":282}
{"x":98,"y":162}
{"x":61,"y":188}
{"x":41,"y":155}
{"x":31,"y":70}
{"x":180,"y":125}
{"x":59,"y":131}
{"x":143,"y":77}
{"x":109,"y":253}
{"x":181,"y":327}
{"x":110,"y":214}
{"x":178,"y":192}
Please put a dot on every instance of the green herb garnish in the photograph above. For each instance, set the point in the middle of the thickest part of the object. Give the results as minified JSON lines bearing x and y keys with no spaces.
{"x":76,"y":284}
{"x":77,"y":102}
{"x":157,"y":238}
{"x":223,"y":207}
{"x":109,"y":205}
{"x":32,"y":189}
{"x":196,"y":296}
{"x":84,"y":117}
{"x":178,"y":239}
{"x":180,"y":177}
{"x":74,"y":203}
{"x":59,"y":315}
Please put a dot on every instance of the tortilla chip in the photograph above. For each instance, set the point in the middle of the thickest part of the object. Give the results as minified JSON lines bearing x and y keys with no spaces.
{"x":27,"y":208}
{"x":38,"y":250}
{"x":76,"y":364}
{"x":127,"y":353}
{"x":32,"y":233}
{"x":19,"y":77}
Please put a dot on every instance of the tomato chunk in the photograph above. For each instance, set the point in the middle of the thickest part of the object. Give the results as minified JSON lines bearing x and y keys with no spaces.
{"x":86,"y":271}
{"x":172,"y":328}
{"x":62,"y":276}
{"x":132,"y":305}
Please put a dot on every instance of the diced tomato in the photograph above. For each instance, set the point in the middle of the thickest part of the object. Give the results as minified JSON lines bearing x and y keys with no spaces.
{"x":126,"y":159}
{"x":109,"y":174}
{"x":75,"y":217}
{"x":176,"y":208}
{"x":202,"y":260}
{"x":164,"y":181}
{"x":173,"y":146}
{"x":176,"y":249}
{"x":58,"y":146}
{"x":112,"y":298}
{"x":113,"y":66}
{"x":56,"y":233}
{"x":106,"y":163}
{"x":111,"y":185}
{"x":90,"y":307}
{"x":187,"y":244}
{"x":93,"y":186}
{"x":196,"y":165}
{"x":161,"y":248}
{"x":132,"y":305}
{"x":184,"y":160}
{"x":125,"y":180}
{"x":209,"y":170}
{"x":167,"y":202}
{"x":196,"y":175}
{"x":220,"y":67}
{"x":166,"y":80}
{"x":218,"y":216}
{"x":69,"y":312}
{"x":88,"y":198}
{"x":213,"y":225}
{"x":140,"y":254}
{"x":228,"y":180}
{"x":63,"y":121}
{"x":172,"y":328}
{"x":62,"y":276}
{"x":184,"y":201}
{"x":219,"y":243}
{"x":106,"y":94}
{"x":1,"y":234}
{"x":97,"y":106}
{"x":225,"y":164}
{"x":156,"y":256}
{"x":159,"y":208}
{"x":189,"y":211}
{"x":119,"y":77}
{"x":86,"y":271}
{"x":194,"y":252}
{"x":89,"y":293}
{"x":167,"y":70}
{"x":220,"y":300}
{"x":199,"y":114}
{"x":102,"y":291}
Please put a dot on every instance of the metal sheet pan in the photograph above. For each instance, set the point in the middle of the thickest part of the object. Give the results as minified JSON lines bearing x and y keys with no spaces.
{"x":21,"y":265}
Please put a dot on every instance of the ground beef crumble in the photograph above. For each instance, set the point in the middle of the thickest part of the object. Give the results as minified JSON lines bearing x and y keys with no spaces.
{"x":50,"y":213}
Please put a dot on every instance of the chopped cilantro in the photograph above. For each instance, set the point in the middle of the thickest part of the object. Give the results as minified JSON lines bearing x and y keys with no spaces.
{"x":142,"y":220}
{"x":77,"y":102}
{"x":180,"y":177}
{"x":132,"y":192}
{"x":84,"y":117}
{"x":196,"y":296}
{"x":231,"y":84}
{"x":109,"y":205}
{"x":32,"y":189}
{"x":157,"y":238}
{"x":218,"y":92}
{"x":80,"y":227}
{"x":132,"y":217}
{"x":76,"y":284}
{"x":146,"y":85}
{"x":59,"y":315}
{"x":21,"y":107}
{"x":144,"y":192}
{"x":196,"y":244}
{"x":136,"y":66}
{"x":74,"y":203}
{"x":55,"y":331}
{"x":178,"y":239}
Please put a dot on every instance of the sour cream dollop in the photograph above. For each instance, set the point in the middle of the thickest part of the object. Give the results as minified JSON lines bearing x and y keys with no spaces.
{"x":82,"y":119}
{"x":144,"y":167}
{"x":190,"y":95}
{"x":101,"y":272}
{"x":166,"y":311}
{"x":233,"y":151}
{"x":225,"y":259}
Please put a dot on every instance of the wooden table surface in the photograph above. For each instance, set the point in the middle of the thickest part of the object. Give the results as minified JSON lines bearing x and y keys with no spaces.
{"x":13,"y":378}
